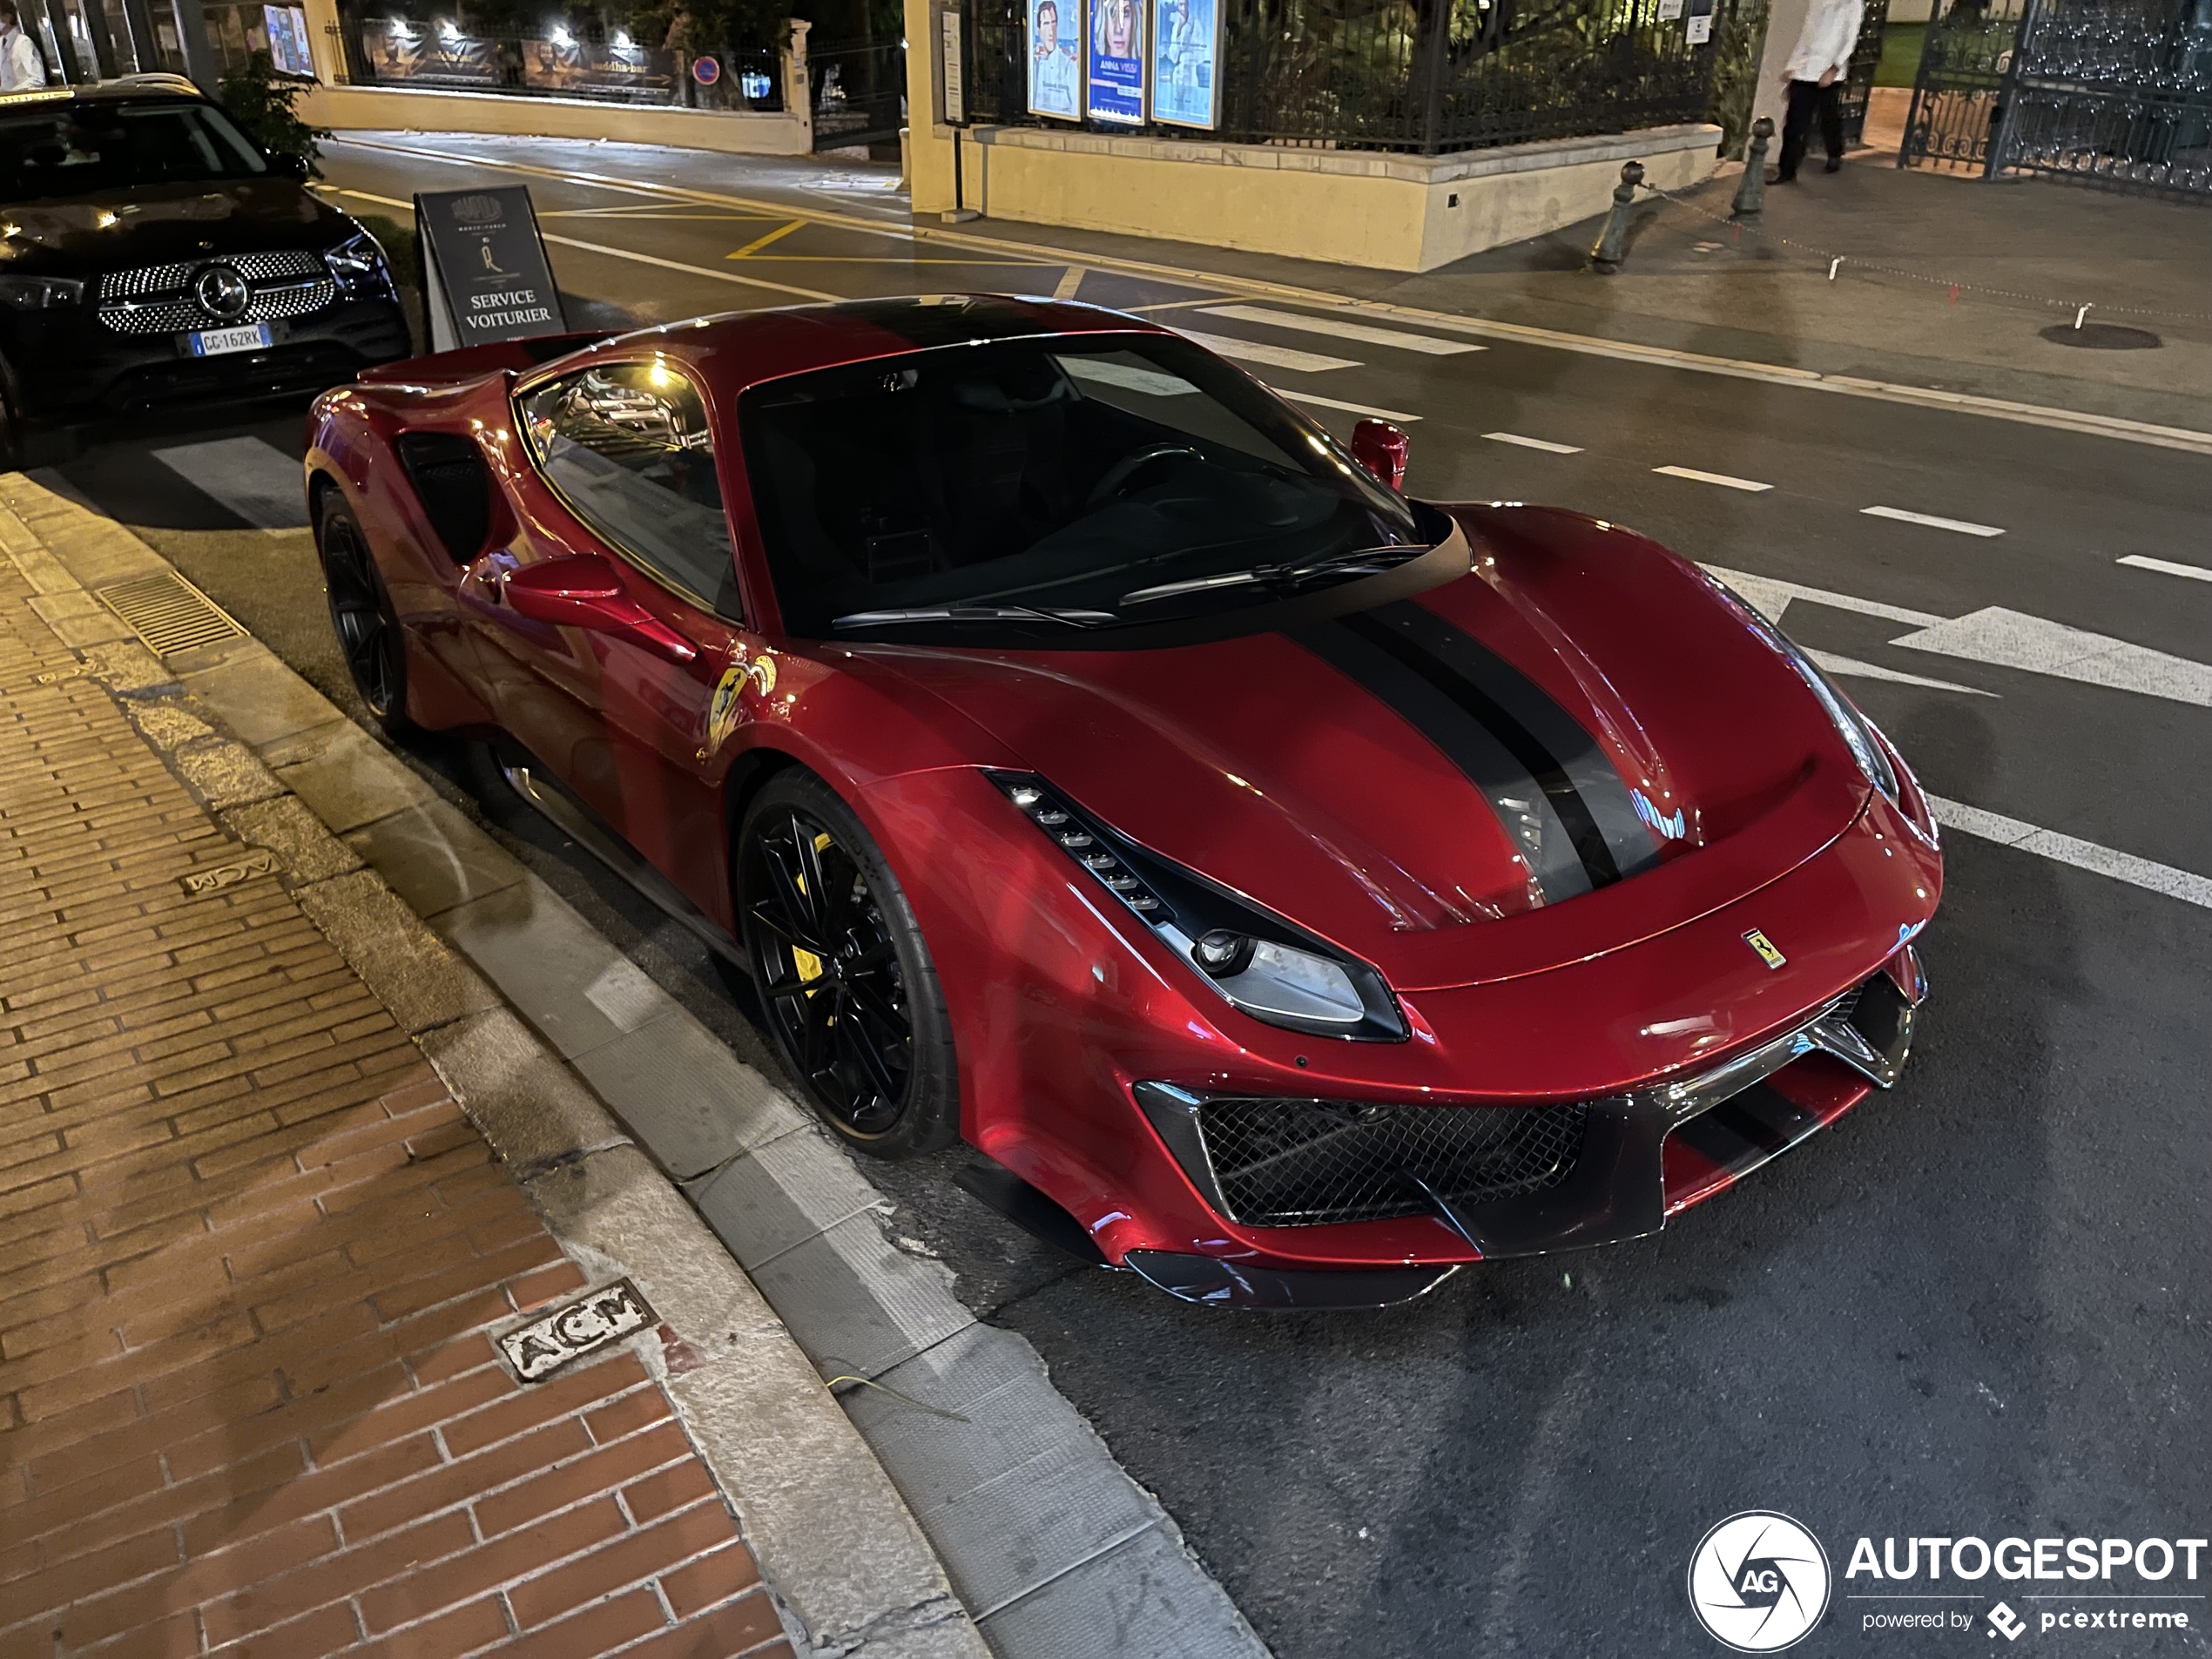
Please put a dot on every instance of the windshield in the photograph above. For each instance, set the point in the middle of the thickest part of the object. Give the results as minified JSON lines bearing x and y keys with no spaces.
{"x":96,"y":148}
{"x":1046,"y":484}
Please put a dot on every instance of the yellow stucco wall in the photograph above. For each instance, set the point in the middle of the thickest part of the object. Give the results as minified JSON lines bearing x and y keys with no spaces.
{"x":735,"y":132}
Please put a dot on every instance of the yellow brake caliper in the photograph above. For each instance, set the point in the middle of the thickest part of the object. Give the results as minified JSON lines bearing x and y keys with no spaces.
{"x":809,"y":964}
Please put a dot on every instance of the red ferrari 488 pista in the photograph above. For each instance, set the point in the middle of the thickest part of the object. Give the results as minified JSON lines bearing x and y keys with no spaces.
{"x":1294,"y":890}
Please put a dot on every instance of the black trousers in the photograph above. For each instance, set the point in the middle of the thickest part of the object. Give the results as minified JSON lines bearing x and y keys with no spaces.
{"x":1808,"y":98}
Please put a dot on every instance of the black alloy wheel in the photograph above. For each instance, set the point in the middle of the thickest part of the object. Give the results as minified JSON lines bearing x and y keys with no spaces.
{"x":842,"y":974}
{"x":361,"y":611}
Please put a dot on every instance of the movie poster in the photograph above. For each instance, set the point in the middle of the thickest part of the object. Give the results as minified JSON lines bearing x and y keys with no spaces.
{"x":1056,"y":76}
{"x":1116,"y":71}
{"x":620,"y":70}
{"x":400,"y":50}
{"x":287,"y":30}
{"x":1186,"y":57}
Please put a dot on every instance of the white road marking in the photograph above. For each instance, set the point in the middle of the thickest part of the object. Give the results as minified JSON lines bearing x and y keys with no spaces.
{"x":1720,"y":478}
{"x":1769,"y":596}
{"x":2184,"y":885}
{"x":2166,"y":567}
{"x":1337,"y":329}
{"x":254,"y":479}
{"x":1545,"y":444}
{"x":1929,"y":519}
{"x":2009,"y":639}
{"x":1304,"y":363}
{"x":1071,"y":279}
{"x":1852,"y":665}
{"x":1398,"y":415}
{"x":1522,"y":333}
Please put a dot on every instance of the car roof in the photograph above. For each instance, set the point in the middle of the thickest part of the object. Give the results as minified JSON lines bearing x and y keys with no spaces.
{"x":134,"y":86}
{"x":741,"y":349}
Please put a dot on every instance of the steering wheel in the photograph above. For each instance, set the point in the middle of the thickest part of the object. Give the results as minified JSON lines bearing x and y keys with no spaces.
{"x":1122,"y":471}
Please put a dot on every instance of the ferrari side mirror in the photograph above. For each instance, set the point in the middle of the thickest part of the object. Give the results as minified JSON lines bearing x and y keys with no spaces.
{"x":1382,"y":448}
{"x":586,"y":592}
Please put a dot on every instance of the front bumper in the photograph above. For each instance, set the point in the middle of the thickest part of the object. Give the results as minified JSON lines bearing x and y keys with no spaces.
{"x":1559,"y":1177}
{"x":65,"y":365}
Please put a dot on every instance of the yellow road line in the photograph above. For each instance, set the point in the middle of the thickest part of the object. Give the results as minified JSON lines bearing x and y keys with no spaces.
{"x":877,"y":259}
{"x":759,"y":242}
{"x":1071,"y":279}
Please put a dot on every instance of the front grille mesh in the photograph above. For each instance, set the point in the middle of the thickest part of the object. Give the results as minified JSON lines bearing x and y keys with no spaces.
{"x":157,"y":299}
{"x":1301,"y":1162}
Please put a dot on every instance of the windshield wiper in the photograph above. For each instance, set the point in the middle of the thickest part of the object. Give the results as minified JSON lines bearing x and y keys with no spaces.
{"x":1366,"y":561}
{"x":973,"y":613}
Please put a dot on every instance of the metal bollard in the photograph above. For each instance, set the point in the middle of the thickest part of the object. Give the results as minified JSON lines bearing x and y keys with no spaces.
{"x":1612,"y":243}
{"x":1750,"y":193}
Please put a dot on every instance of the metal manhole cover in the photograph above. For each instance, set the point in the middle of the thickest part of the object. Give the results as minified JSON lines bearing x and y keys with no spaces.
{"x":169,"y":613}
{"x":2101,"y":336}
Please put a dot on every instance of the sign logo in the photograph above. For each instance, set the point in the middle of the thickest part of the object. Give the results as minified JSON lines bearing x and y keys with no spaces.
{"x":221,"y":292}
{"x":478,"y":210}
{"x":1758,"y":1582}
{"x":2007,"y":1623}
{"x":1767,"y":954}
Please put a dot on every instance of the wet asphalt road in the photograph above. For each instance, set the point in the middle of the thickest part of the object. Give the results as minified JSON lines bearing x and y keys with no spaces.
{"x":1976,"y":1306}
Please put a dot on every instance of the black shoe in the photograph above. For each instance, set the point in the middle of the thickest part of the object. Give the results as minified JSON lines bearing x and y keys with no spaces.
{"x":1835,"y":165}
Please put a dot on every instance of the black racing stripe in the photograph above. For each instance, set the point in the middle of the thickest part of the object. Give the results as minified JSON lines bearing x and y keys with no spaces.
{"x":1519,"y":803}
{"x":1587,"y":764}
{"x":1523,"y":745}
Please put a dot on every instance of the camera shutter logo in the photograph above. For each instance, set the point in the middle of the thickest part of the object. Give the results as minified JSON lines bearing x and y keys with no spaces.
{"x":1759,"y":1581}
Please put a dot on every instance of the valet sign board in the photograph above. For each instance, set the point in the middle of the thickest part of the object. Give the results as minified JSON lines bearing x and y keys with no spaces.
{"x":485,"y":276}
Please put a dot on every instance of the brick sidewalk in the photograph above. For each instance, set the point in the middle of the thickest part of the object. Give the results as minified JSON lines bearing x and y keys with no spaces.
{"x":250,"y":1255}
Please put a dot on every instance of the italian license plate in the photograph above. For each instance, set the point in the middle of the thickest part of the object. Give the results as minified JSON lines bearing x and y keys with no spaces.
{"x":211,"y":342}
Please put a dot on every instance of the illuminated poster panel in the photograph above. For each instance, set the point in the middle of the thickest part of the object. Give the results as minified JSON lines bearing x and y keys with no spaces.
{"x":1117,"y":68}
{"x":1186,"y":63}
{"x":1056,"y":76}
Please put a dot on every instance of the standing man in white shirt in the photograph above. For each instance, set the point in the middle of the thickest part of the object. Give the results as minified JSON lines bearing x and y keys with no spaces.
{"x":22,"y":70}
{"x":1815,"y":79}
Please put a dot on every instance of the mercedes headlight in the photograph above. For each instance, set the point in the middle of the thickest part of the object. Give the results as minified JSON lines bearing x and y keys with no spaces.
{"x":39,"y":293}
{"x":357,"y":266}
{"x":1255,"y":960}
{"x":1855,"y":730}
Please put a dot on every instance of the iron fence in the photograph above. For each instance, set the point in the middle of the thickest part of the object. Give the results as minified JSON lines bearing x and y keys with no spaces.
{"x":1428,"y":77}
{"x":2120,"y":94}
{"x":858,"y":93}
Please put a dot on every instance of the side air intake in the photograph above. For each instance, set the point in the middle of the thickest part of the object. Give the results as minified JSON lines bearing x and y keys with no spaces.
{"x":454,"y":485}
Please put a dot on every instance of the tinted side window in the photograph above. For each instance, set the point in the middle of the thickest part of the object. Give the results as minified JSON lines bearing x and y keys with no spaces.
{"x":627,"y":444}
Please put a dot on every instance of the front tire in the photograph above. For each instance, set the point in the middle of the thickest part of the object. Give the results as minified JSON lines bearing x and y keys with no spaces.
{"x":361,"y":611}
{"x":845,"y":984}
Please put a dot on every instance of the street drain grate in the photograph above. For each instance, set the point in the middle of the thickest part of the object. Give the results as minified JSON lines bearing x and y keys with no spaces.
{"x":169,"y":613}
{"x":2101,"y":336}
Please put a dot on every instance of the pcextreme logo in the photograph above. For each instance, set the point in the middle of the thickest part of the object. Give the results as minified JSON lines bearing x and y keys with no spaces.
{"x":1758,"y":1582}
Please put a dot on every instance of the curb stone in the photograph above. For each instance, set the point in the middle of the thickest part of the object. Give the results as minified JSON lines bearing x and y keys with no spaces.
{"x":636,"y":1130}
{"x":848,"y":1571}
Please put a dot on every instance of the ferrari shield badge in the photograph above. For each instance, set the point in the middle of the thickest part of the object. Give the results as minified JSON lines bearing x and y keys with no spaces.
{"x":722,"y":709}
{"x":1767,"y":954}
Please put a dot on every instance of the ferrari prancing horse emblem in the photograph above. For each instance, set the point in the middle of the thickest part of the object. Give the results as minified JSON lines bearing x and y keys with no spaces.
{"x":722,"y":708}
{"x":1759,"y":942}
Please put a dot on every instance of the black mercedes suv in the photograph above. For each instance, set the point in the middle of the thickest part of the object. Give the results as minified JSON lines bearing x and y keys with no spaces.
{"x":151,"y":253}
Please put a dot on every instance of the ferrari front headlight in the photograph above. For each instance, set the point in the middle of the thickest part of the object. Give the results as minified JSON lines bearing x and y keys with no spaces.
{"x":1256,"y":961}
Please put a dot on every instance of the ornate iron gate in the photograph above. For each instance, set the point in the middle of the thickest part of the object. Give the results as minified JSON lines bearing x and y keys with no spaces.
{"x":859,"y":93}
{"x":2116,"y":92}
{"x":1866,"y":58}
